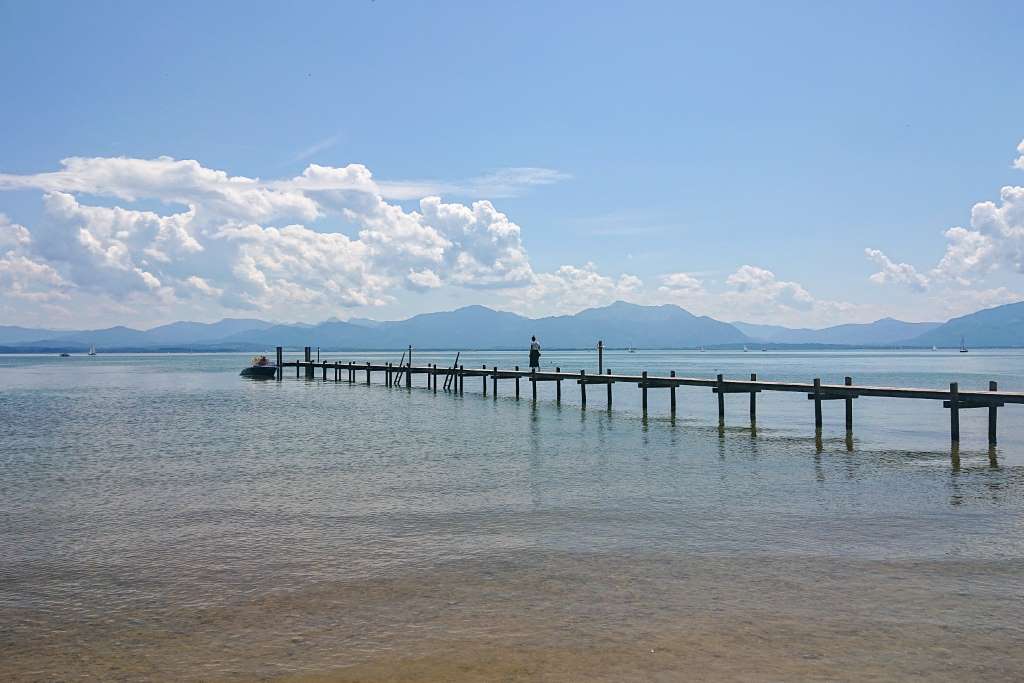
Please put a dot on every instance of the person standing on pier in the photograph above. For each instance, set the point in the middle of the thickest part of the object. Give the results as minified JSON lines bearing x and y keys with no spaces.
{"x":534,"y":353}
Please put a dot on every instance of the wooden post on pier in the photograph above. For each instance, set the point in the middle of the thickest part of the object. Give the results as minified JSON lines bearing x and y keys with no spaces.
{"x":672,"y":396}
{"x":600,"y":358}
{"x":309,"y":362}
{"x":462,"y":379}
{"x":297,"y":369}
{"x":992,"y":386}
{"x":408,"y":374}
{"x":609,"y":387}
{"x":753,"y":403}
{"x":817,"y":405}
{"x":324,"y":371}
{"x":558,"y":388}
{"x":721,"y":401}
{"x":643,"y":392}
{"x":484,"y":378}
{"x":533,"y":383}
{"x":435,"y":378}
{"x":517,"y":383}
{"x":367,"y":373}
{"x":583,"y":388}
{"x":280,"y":362}
{"x":848,"y":381}
{"x":954,"y":412}
{"x":494,"y":384}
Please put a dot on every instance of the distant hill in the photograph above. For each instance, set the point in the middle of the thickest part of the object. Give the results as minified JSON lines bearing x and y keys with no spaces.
{"x":619,"y":325}
{"x":999,"y":326}
{"x":12,"y":334}
{"x":478,"y":327}
{"x":623,"y":324}
{"x":201,"y":333}
{"x":882,"y":332}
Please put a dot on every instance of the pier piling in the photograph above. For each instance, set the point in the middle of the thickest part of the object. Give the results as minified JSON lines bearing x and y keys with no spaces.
{"x":753,"y":403}
{"x":643,"y":393}
{"x":848,"y":381}
{"x":721,"y":401}
{"x":992,"y":386}
{"x":672,"y":396}
{"x":817,"y":405}
{"x":954,"y":412}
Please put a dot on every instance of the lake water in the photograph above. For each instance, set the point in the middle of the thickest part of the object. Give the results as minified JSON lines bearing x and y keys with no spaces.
{"x":162,"y":518}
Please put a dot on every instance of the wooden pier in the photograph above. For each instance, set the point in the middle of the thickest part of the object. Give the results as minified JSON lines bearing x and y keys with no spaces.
{"x":453,"y":378}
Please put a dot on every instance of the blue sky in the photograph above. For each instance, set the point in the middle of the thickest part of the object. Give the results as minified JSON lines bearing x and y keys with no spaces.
{"x":737,"y":161}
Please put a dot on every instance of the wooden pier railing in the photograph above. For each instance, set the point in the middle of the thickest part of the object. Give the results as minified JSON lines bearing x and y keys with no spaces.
{"x":454,"y":378}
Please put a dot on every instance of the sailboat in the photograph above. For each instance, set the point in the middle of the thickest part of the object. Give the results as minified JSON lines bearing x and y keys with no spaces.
{"x":963,"y":347}
{"x":92,"y":350}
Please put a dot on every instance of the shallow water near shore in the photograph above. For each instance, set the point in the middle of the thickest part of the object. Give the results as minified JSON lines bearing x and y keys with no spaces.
{"x":164,"y":519}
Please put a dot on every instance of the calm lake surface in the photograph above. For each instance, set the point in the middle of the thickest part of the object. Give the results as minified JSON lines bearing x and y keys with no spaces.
{"x":162,"y":518}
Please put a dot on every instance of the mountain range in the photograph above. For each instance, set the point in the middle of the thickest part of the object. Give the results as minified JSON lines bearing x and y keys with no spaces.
{"x":619,"y":325}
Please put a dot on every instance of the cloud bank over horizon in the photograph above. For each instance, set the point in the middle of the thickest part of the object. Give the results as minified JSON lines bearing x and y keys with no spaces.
{"x":139,"y":241}
{"x":993,"y":242}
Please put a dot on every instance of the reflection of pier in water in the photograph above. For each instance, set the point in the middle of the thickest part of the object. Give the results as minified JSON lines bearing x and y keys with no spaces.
{"x":454,"y":376}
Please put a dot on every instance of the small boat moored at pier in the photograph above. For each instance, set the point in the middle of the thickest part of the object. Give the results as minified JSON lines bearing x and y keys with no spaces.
{"x":261,"y":368}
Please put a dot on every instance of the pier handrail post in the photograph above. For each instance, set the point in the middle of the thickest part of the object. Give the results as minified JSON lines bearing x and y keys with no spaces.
{"x":609,"y":387}
{"x":558,"y":387}
{"x":672,"y":395}
{"x":753,"y":402}
{"x":583,"y":388}
{"x":954,"y":412}
{"x":817,"y":405}
{"x":992,"y":409}
{"x":721,"y":400}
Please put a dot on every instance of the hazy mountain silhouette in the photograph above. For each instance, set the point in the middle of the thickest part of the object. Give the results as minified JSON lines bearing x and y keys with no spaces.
{"x":619,"y":325}
{"x":999,"y":326}
{"x":882,"y":332}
